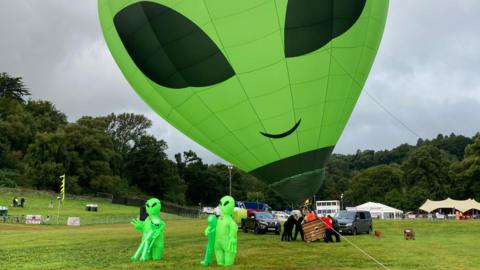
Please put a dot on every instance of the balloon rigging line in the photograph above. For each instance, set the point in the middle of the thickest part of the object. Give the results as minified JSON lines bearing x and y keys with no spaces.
{"x":357,"y":247}
{"x":392,"y":115}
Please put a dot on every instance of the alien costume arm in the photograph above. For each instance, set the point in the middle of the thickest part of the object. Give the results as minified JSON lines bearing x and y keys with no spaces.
{"x":137,"y":224}
{"x":232,"y":237}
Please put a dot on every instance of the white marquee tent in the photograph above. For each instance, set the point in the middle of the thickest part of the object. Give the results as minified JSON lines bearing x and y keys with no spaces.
{"x":378,"y":210}
{"x":462,"y":206}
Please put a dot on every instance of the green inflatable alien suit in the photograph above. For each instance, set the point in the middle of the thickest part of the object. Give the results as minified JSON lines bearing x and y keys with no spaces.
{"x":151,"y":247}
{"x":210,"y":232}
{"x":225,"y":242}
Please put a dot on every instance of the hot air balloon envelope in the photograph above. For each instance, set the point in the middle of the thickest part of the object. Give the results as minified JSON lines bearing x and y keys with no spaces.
{"x":266,"y":85}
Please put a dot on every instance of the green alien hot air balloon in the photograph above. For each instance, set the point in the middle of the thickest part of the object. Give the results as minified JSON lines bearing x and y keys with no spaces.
{"x":268,"y":85}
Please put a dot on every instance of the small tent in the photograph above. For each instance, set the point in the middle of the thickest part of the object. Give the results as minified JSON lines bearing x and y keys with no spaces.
{"x":378,"y":210}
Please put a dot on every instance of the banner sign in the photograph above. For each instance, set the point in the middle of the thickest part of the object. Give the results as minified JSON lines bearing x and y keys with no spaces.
{"x":73,"y":221}
{"x":33,"y":219}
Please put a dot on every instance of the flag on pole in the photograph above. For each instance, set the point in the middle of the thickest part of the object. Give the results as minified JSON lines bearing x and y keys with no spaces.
{"x":62,"y":187}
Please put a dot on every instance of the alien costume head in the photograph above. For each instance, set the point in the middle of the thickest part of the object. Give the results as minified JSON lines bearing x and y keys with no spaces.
{"x":266,"y":85}
{"x":227,"y":205}
{"x":153,"y":207}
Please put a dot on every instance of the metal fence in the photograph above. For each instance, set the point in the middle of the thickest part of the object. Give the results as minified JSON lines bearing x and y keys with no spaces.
{"x":62,"y":220}
{"x":167,"y":207}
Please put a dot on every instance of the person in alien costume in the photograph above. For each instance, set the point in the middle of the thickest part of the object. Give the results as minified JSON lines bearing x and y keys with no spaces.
{"x":151,"y":247}
{"x":225,"y":241}
{"x":210,"y":232}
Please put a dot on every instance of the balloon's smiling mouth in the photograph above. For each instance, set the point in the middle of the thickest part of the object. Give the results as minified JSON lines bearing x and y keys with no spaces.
{"x":281,"y":135}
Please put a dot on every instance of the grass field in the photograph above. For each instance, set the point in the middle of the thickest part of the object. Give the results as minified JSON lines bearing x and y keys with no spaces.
{"x":37,"y":204}
{"x":439,"y":245}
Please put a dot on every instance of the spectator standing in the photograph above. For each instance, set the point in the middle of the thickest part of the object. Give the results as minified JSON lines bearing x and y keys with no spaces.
{"x":22,"y":201}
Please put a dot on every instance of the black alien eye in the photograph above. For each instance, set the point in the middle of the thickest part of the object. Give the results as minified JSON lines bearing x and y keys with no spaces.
{"x":225,"y":203}
{"x":153,"y":205}
{"x":148,"y":206}
{"x":311,"y":24}
{"x":170,"y":49}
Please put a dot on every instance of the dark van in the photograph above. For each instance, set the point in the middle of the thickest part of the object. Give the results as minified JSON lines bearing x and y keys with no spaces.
{"x":353,"y":222}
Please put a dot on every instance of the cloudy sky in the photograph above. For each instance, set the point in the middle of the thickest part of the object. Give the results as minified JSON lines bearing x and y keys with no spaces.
{"x":426,"y":74}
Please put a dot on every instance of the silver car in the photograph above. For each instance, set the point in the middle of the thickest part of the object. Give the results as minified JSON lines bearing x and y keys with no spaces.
{"x":353,"y":222}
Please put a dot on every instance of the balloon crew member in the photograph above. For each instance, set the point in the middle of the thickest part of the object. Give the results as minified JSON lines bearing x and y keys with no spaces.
{"x":298,"y":228}
{"x":310,"y":216}
{"x":288,"y":228}
{"x":328,"y":228}
{"x":336,"y":228}
{"x":210,"y":232}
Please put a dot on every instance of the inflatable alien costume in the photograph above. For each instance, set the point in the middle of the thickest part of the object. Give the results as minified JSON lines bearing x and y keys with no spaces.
{"x":226,"y":233}
{"x":151,"y":247}
{"x":210,"y":232}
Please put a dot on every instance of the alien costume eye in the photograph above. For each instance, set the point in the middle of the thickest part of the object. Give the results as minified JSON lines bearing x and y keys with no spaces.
{"x":153,"y":205}
{"x":225,"y":203}
{"x":311,"y":24}
{"x":170,"y":49}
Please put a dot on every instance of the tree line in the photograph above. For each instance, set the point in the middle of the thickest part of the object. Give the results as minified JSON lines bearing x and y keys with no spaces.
{"x":404,"y":177}
{"x":116,"y":154}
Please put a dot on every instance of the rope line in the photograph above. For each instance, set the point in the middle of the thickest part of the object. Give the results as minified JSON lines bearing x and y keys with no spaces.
{"x":391,"y":114}
{"x":357,"y":247}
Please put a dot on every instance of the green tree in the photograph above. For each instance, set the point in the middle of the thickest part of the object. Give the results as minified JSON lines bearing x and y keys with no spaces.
{"x":92,"y":155}
{"x":337,"y":178}
{"x":373,"y":184}
{"x":148,"y":168}
{"x":12,"y":88}
{"x":81,"y":151}
{"x":47,"y":158}
{"x":466,"y":173}
{"x":126,"y":129}
{"x":46,"y":117}
{"x":16,"y":125}
{"x":426,"y":169}
{"x":453,"y":144}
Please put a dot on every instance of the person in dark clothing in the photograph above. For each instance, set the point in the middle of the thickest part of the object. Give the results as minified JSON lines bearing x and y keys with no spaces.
{"x":288,"y":227}
{"x":298,"y":228}
{"x":22,"y":202}
{"x":336,"y":228}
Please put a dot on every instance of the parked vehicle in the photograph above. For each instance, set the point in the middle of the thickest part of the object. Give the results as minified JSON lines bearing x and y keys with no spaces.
{"x":253,"y":205}
{"x":296,"y":212}
{"x":208,"y":210}
{"x":260,"y":222}
{"x":280,"y":215}
{"x":354,"y":222}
